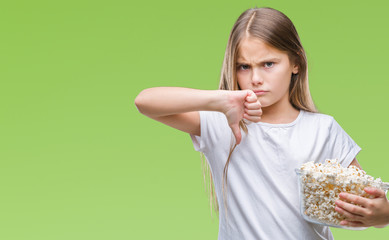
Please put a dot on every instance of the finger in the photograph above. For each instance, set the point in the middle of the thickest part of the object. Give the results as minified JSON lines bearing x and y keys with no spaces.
{"x":251,"y":97}
{"x":375,"y":192}
{"x":252,"y":106}
{"x":236,"y":131}
{"x":350,"y":208}
{"x":252,"y":118}
{"x":352,"y":223}
{"x":349,"y":216}
{"x":354,"y":199}
{"x":257,"y":113}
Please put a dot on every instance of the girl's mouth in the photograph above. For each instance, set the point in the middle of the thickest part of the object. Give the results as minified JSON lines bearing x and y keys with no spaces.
{"x":260,"y":92}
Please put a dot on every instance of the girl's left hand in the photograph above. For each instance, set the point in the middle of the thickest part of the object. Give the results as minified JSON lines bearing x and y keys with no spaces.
{"x":371,"y":212}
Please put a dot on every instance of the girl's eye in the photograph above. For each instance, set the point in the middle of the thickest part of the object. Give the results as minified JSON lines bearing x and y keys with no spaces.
{"x":243,"y":67}
{"x":269,"y":64}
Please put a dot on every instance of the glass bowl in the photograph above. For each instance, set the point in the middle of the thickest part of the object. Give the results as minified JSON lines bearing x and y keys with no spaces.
{"x":323,"y":211}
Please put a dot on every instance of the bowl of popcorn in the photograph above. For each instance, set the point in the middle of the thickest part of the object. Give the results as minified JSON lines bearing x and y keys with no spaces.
{"x":320,"y":185}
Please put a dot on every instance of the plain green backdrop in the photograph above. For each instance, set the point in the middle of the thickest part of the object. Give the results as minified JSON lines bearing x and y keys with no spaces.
{"x":77,"y":161}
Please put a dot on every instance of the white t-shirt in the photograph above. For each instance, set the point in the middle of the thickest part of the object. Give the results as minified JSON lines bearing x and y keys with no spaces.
{"x":263,"y":199}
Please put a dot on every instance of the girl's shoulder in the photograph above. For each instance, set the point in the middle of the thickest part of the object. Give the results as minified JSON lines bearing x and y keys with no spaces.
{"x":320,"y":119}
{"x":213,"y":121}
{"x":317,"y":115}
{"x":212,"y":116}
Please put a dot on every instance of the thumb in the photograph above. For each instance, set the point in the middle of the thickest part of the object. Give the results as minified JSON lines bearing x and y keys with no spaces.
{"x":375,"y":192}
{"x":236,"y":131}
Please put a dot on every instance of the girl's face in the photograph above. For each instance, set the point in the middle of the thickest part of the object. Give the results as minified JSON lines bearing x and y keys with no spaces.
{"x":265,"y":70}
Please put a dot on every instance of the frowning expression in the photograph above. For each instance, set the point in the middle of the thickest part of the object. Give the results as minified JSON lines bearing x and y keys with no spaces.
{"x":265,"y":70}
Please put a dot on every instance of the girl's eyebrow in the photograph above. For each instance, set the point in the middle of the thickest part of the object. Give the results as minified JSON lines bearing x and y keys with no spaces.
{"x":275,"y":59}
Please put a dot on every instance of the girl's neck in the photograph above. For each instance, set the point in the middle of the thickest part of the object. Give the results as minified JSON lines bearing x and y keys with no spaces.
{"x":277,"y":114}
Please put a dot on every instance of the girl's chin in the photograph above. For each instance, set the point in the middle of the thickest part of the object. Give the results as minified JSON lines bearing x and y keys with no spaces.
{"x":264,"y":104}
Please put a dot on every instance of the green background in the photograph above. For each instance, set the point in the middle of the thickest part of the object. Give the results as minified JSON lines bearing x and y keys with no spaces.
{"x":77,"y":159}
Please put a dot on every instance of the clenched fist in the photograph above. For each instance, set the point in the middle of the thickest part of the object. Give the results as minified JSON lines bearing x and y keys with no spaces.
{"x":242,"y":104}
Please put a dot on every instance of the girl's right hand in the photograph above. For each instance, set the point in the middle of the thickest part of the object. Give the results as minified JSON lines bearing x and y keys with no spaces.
{"x":242,"y":105}
{"x":179,"y":107}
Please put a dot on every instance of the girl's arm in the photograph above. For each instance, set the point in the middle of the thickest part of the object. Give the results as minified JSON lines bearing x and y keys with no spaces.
{"x":178,"y":107}
{"x":355,"y":163}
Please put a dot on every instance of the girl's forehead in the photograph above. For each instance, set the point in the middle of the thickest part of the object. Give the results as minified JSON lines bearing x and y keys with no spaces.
{"x":254,"y":49}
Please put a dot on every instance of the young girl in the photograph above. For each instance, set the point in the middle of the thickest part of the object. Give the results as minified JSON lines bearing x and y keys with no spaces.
{"x":256,"y":129}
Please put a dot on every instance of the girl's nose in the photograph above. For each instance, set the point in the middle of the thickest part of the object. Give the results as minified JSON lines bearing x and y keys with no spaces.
{"x":256,"y":77}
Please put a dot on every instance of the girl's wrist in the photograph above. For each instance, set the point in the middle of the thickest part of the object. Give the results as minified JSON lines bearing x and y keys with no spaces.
{"x":221,"y":101}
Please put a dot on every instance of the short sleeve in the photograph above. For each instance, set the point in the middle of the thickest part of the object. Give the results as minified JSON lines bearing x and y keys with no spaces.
{"x":341,"y":145}
{"x":213,"y":128}
{"x":197,"y":141}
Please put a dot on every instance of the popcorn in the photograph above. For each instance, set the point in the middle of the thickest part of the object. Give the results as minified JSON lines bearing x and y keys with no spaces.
{"x":322,"y":183}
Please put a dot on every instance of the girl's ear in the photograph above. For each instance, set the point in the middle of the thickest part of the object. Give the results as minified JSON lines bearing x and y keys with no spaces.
{"x":295,"y":69}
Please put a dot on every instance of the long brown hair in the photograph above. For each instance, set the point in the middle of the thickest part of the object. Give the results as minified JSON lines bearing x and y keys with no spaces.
{"x":276,"y":29}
